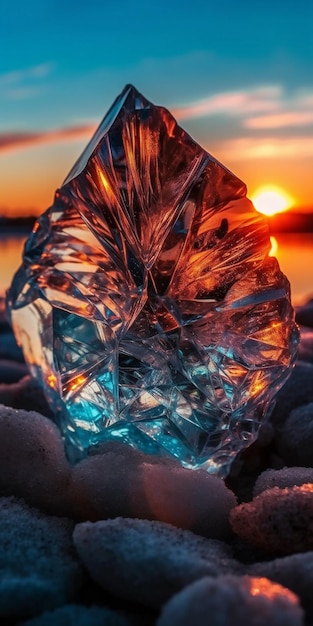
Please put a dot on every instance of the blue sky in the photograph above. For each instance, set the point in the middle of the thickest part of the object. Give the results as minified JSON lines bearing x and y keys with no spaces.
{"x":238,"y":75}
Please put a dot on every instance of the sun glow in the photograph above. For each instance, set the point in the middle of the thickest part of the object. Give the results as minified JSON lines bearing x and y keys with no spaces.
{"x":271,"y":200}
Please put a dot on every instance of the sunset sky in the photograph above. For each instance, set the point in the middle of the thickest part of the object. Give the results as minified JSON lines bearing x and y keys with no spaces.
{"x":237,"y":75}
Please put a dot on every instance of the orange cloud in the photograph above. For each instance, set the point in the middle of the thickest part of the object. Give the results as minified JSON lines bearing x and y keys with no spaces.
{"x":260,"y":108}
{"x":280,"y":120}
{"x":247,"y":148}
{"x":16,"y":140}
{"x":233,"y":103}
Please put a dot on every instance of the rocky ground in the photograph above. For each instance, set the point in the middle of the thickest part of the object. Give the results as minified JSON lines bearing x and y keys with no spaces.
{"x":125,"y":539}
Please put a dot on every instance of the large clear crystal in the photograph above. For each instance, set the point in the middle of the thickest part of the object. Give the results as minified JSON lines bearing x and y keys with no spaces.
{"x":147,"y":303}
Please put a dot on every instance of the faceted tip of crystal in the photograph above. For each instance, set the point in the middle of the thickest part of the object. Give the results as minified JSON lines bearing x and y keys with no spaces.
{"x":129,"y":99}
{"x":129,"y":88}
{"x":132,"y":95}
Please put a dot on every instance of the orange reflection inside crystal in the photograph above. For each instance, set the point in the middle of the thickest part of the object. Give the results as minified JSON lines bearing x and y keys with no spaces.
{"x":258,"y":387}
{"x":267,"y":588}
{"x":77,"y":382}
{"x":52,"y":381}
{"x":104,"y":181}
{"x":106,"y":185}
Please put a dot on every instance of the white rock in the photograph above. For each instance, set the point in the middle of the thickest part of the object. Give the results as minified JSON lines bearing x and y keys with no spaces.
{"x":294,"y":571}
{"x":277,"y":520}
{"x":25,"y":394}
{"x":297,"y":391}
{"x":304,"y":314}
{"x":295,"y":441}
{"x":11,"y":371}
{"x":9,"y":349}
{"x":39,"y":567}
{"x":77,"y":615}
{"x":305,"y":352}
{"x":147,"y":562}
{"x":232,"y":601}
{"x":33,"y":465}
{"x":286,"y":477}
{"x":124,"y":482}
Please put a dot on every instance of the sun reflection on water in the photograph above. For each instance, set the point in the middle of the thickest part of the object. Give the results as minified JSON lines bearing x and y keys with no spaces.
{"x":274,"y":246}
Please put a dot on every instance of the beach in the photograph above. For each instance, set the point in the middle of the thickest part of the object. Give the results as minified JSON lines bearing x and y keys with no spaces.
{"x":124,"y":538}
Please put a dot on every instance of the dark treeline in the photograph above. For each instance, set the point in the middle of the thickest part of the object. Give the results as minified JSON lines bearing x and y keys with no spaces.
{"x":291,"y":223}
{"x":16,"y":224}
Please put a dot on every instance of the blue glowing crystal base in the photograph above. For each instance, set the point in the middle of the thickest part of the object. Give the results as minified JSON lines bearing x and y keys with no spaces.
{"x":147,"y":303}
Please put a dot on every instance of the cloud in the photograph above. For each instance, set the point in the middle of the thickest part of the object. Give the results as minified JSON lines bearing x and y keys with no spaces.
{"x":34,"y":72}
{"x":23,"y":139}
{"x":24,"y":83}
{"x":268,"y":109}
{"x":280,"y":120}
{"x":233,"y":103}
{"x":42,"y":70}
{"x":20,"y":93}
{"x":295,"y":111}
{"x":275,"y":107}
{"x":247,"y":148}
{"x":237,"y":149}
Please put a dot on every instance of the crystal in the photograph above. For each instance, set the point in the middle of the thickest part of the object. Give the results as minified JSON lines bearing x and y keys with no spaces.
{"x":147,"y":303}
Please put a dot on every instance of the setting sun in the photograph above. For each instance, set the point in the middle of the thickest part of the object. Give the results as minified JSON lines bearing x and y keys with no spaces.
{"x":271,"y":200}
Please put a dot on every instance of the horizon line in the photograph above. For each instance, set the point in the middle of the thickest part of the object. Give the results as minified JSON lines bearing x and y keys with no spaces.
{"x":18,"y":213}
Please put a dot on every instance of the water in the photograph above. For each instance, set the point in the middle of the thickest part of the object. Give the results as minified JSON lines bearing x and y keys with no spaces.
{"x":294,"y":253}
{"x":11,"y":248}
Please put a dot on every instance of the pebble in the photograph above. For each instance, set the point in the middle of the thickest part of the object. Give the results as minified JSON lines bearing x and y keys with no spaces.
{"x":305,"y":351}
{"x":294,"y":571}
{"x":147,"y":562}
{"x":304,"y":314}
{"x":5,"y":326}
{"x":25,"y":394}
{"x":285,"y":477}
{"x":118,"y":481}
{"x":11,"y":371}
{"x":77,"y":615}
{"x":297,"y":391}
{"x":39,"y":567}
{"x":295,"y":442}
{"x":9,"y":348}
{"x":233,"y":601}
{"x":32,"y":460}
{"x":278,"y":520}
{"x":124,"y":482}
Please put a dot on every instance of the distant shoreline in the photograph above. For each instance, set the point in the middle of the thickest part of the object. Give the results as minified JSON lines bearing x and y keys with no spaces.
{"x":16,"y":225}
{"x":291,"y":223}
{"x":281,"y":223}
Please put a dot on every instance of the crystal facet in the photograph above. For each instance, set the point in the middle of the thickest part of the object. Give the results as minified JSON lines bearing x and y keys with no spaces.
{"x":147,"y":303}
